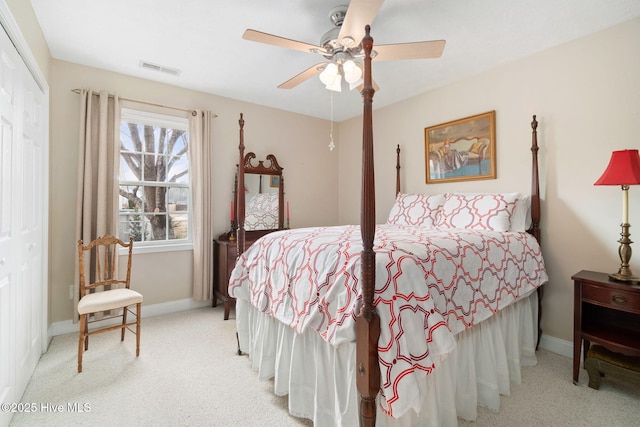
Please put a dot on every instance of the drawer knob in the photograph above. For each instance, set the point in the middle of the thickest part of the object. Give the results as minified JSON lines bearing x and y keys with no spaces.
{"x":619,"y":299}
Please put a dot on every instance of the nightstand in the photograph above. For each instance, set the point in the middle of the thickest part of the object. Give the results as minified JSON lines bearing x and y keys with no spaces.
{"x":605,"y":312}
{"x":225,"y":254}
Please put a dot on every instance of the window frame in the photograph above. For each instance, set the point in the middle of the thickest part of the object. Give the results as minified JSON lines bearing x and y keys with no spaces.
{"x":138,"y":114}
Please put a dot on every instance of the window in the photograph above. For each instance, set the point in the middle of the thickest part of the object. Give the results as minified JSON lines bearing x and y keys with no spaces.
{"x":154,"y":179}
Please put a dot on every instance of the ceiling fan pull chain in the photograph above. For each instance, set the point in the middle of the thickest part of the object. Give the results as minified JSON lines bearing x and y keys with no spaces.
{"x":331,"y":144}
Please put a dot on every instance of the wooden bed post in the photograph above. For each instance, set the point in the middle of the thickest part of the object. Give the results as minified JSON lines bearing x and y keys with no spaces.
{"x":367,"y":321}
{"x":240,"y":193}
{"x":535,"y":185}
{"x":535,"y":208}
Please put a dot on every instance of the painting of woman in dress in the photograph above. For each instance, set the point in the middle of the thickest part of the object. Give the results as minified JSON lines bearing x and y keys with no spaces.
{"x":461,"y":150}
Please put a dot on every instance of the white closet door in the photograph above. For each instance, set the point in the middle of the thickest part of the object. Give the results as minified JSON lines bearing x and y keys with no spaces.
{"x":22,"y":215}
{"x":9,"y":226}
{"x":30,"y":219}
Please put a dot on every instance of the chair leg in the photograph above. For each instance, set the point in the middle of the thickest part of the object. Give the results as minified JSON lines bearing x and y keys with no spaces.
{"x":138,"y":309}
{"x":86,"y":332}
{"x":81,"y":339}
{"x":124,"y":322}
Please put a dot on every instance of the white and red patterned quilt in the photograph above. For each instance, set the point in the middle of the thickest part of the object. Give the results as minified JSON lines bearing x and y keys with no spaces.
{"x":430,"y":285}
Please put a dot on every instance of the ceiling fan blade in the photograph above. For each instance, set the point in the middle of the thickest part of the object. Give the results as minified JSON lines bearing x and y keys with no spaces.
{"x":415,"y":50}
{"x":303,"y":76}
{"x":260,"y":37}
{"x":359,"y":14}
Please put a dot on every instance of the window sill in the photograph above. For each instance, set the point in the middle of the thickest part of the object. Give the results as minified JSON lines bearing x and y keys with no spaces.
{"x":165,"y":247}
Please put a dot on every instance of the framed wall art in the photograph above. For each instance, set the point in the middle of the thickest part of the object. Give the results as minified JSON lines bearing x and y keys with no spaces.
{"x":461,"y":150}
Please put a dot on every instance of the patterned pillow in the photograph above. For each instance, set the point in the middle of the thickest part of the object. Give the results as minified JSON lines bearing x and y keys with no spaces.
{"x":481,"y":211}
{"x":266,"y":202}
{"x":421,"y":210}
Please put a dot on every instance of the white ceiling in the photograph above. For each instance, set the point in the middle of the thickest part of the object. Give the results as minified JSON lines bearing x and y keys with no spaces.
{"x":203,"y":39}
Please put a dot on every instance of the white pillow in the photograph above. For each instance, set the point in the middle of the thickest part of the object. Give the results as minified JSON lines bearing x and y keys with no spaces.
{"x":422,"y":210}
{"x":480,"y":211}
{"x":521,"y":217}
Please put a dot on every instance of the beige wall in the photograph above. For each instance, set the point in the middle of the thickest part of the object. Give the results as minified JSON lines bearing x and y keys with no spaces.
{"x":299,"y":143}
{"x":586,"y":95}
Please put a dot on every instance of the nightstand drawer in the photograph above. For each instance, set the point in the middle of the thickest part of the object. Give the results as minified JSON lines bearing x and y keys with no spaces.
{"x":614,"y":298}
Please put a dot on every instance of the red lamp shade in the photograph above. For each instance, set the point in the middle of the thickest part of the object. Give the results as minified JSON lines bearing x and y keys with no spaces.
{"x":623,"y":169}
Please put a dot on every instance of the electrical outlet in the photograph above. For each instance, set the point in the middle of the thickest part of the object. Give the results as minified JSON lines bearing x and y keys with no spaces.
{"x":70,"y":291}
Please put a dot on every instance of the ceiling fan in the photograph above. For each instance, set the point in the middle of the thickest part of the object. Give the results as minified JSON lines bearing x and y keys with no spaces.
{"x":342,"y":44}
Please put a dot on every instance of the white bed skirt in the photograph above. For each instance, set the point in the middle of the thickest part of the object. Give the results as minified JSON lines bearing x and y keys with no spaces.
{"x":320,"y":379}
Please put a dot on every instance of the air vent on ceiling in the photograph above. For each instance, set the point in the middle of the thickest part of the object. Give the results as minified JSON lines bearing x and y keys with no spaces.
{"x":161,"y":68}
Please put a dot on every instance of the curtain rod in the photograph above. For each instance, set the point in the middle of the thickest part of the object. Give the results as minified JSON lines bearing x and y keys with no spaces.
{"x":147,"y":103}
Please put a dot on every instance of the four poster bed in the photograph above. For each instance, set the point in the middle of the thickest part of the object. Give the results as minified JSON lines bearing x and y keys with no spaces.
{"x":416,"y":321}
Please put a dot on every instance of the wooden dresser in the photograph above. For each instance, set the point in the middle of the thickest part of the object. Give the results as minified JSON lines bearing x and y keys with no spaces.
{"x":225,"y":253}
{"x":606,"y":312}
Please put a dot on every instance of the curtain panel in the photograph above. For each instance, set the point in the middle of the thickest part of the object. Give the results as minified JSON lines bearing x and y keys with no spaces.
{"x":201,"y":159}
{"x":98,"y":160}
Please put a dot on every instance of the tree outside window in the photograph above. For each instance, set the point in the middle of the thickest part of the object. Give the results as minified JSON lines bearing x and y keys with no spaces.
{"x":154,"y":178}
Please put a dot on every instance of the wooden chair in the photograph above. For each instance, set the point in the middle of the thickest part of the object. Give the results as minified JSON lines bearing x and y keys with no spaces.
{"x":107,"y":293}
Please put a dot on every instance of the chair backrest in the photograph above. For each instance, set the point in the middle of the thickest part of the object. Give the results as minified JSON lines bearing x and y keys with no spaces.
{"x":102,"y":264}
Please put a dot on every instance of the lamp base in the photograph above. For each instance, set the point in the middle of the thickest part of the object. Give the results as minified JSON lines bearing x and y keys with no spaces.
{"x":624,"y":274}
{"x":629,"y":279}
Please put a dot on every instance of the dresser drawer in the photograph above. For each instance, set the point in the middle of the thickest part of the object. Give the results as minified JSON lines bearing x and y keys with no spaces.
{"x":614,"y":298}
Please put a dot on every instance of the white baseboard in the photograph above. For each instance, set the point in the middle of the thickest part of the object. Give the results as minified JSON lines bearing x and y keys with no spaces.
{"x":67,"y":326}
{"x":556,"y":345}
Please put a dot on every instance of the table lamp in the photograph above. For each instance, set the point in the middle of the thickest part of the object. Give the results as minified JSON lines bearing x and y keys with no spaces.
{"x":623,"y":170}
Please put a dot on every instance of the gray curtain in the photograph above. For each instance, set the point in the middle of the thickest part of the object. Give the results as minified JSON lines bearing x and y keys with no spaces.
{"x":201,"y":158}
{"x":98,"y":160}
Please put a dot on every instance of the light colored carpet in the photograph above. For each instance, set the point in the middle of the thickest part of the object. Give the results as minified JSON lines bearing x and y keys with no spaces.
{"x":188,"y":374}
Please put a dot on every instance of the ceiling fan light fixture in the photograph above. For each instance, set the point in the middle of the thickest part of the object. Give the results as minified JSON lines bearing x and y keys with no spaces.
{"x":336,"y":84}
{"x":343,"y":43}
{"x":352,"y":73}
{"x":331,"y":77}
{"x":329,"y":74}
{"x":355,"y":84}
